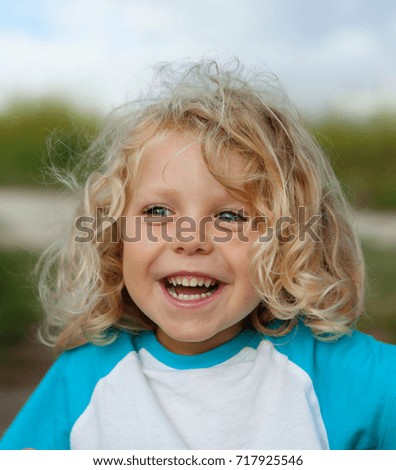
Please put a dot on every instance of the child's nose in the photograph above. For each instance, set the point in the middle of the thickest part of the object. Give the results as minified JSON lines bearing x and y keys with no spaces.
{"x":192,"y":239}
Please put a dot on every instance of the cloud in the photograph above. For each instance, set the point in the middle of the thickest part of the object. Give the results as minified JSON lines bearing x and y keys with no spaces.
{"x":92,"y":51}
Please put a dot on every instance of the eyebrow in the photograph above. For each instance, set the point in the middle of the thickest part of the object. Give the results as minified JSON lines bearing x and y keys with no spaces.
{"x":155,"y":191}
{"x":149,"y":192}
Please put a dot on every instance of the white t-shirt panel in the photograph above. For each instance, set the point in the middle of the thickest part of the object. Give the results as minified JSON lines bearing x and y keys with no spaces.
{"x":257,"y":399}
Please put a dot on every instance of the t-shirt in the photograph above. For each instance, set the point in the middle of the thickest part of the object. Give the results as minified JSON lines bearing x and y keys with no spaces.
{"x":252,"y":392}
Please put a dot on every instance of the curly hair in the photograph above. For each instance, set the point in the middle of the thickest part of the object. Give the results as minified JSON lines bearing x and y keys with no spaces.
{"x":321,"y":282}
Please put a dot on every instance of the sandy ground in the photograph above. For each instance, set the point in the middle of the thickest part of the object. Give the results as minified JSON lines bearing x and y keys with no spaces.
{"x":32,"y":219}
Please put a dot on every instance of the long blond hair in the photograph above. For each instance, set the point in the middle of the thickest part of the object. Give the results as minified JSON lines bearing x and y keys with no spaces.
{"x":320,"y":281}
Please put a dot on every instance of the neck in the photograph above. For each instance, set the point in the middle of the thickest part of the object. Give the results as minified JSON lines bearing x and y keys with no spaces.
{"x":192,"y":348}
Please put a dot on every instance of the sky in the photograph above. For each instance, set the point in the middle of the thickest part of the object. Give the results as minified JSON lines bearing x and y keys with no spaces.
{"x":334,"y":56}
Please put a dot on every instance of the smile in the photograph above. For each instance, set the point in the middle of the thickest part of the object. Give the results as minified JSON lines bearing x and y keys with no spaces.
{"x":191,"y":289}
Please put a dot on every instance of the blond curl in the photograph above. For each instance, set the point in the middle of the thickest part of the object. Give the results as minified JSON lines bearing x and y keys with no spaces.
{"x":319,"y":281}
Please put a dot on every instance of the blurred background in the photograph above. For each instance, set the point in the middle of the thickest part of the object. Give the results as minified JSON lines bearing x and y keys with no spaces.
{"x":64,"y":65}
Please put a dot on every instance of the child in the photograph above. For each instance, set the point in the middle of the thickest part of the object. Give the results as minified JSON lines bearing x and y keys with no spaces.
{"x":207,"y":294}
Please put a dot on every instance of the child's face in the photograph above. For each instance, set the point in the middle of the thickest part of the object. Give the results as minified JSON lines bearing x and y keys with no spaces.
{"x":174,"y":182}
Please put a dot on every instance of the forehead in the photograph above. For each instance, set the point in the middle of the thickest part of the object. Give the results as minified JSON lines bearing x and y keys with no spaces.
{"x":175,"y":159}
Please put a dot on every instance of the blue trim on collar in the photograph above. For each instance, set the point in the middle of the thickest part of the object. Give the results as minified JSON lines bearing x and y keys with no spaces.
{"x":147,"y":340}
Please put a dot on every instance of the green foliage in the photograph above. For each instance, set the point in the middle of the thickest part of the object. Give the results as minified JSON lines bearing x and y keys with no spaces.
{"x":33,"y":132}
{"x":381,"y":295}
{"x":363,"y":155}
{"x":19,"y":308}
{"x":363,"y":152}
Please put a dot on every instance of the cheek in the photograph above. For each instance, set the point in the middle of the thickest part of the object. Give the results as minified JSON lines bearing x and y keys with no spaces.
{"x":134,"y":273}
{"x":135,"y":230}
{"x":136,"y":258}
{"x":237,"y":253}
{"x":139,"y":255}
{"x":130,"y":267}
{"x":140,"y":240}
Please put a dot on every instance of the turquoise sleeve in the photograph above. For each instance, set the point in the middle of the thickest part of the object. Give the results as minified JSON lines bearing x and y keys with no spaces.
{"x":355,"y":382}
{"x":47,"y":419}
{"x":360,"y":410}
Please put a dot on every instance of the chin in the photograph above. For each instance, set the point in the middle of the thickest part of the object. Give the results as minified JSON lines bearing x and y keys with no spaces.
{"x":191,"y":337}
{"x":190,"y":334}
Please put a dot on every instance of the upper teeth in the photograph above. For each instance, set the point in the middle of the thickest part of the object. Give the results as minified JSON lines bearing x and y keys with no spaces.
{"x":192,"y":281}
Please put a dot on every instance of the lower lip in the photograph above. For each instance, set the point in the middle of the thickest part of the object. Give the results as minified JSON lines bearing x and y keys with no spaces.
{"x":193,"y":303}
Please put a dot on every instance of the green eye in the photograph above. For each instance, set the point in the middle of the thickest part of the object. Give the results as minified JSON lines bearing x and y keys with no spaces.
{"x":231,"y":216}
{"x":157,"y":211}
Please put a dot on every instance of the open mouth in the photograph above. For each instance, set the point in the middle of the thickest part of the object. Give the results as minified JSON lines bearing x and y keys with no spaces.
{"x":190,"y":288}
